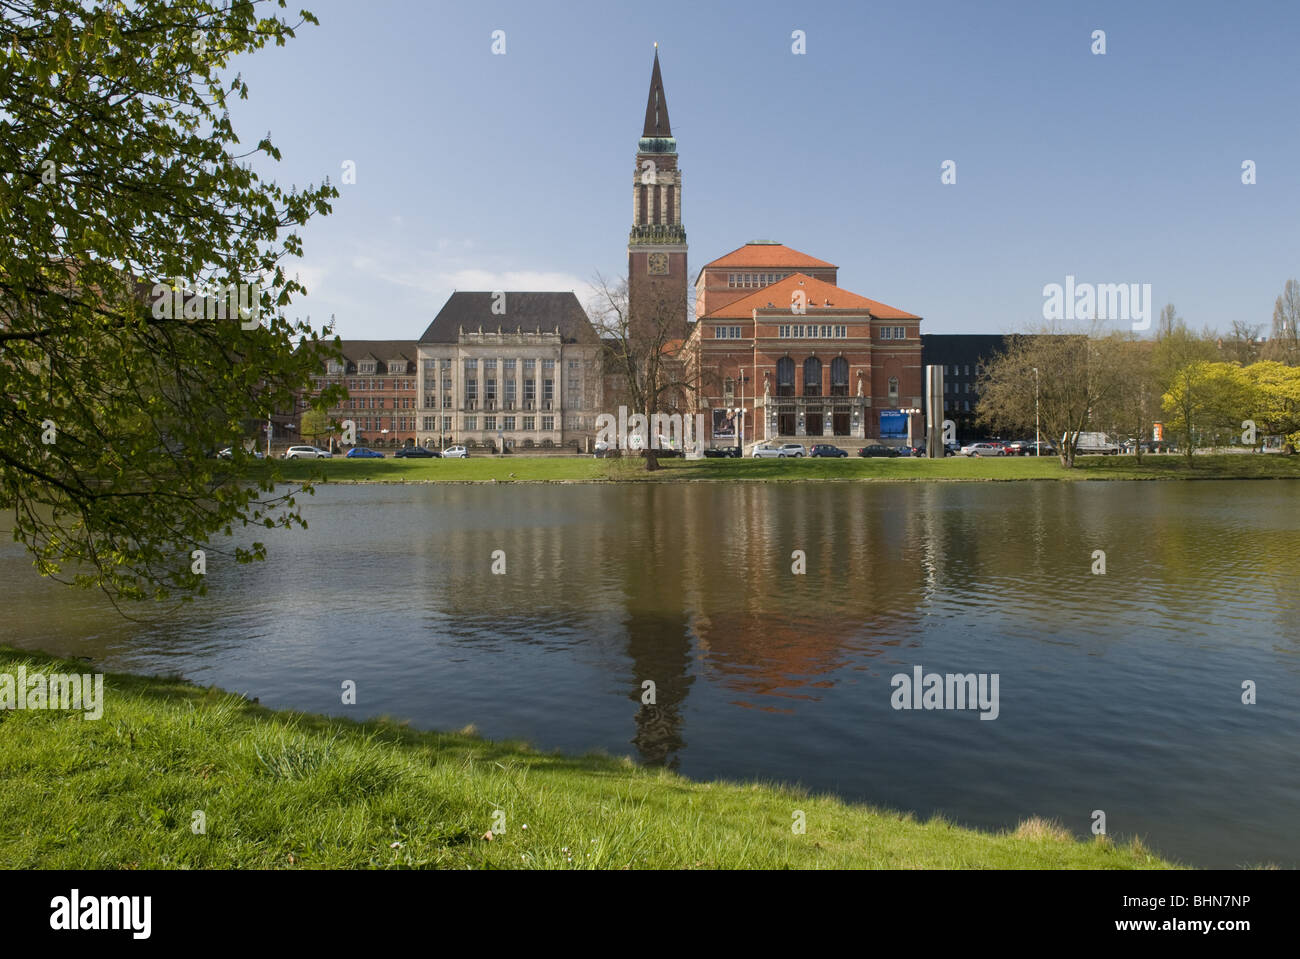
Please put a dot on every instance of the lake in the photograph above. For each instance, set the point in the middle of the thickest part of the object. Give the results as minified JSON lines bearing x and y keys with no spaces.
{"x":1118,"y":691}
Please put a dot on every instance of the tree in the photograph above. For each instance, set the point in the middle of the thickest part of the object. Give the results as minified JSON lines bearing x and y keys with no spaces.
{"x":124,"y":209}
{"x":1206,"y":398}
{"x":1133,"y":401}
{"x":315,"y":424}
{"x":1075,"y":376}
{"x":1276,"y":400}
{"x":1242,"y":344}
{"x":1284,"y":341}
{"x":644,"y":353}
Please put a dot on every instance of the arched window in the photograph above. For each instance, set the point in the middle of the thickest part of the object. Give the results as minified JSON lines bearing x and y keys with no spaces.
{"x":839,"y":376}
{"x":785,"y":376}
{"x":893,"y":389}
{"x":812,"y":377}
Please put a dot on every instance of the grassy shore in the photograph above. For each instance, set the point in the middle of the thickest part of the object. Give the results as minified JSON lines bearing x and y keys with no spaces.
{"x":523,"y":469}
{"x":285,"y":790}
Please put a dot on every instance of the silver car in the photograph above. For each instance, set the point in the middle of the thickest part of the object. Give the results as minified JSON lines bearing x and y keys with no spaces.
{"x":455,"y":453}
{"x":766,"y":450}
{"x":982,"y":449}
{"x":307,"y":453}
{"x":794,"y":449}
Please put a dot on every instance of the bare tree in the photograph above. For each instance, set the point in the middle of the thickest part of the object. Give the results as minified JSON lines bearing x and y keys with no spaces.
{"x":1284,"y":341}
{"x":1075,"y":376}
{"x":644,"y":353}
{"x":1242,"y":344}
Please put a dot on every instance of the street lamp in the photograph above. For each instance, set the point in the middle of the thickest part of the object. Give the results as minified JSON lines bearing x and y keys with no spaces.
{"x":1038,"y":448}
{"x":909,"y":413}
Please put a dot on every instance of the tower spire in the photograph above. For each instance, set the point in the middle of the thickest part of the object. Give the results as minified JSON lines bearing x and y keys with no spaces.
{"x":656,"y":108}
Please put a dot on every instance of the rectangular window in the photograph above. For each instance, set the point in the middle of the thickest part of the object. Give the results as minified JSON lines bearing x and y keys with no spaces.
{"x":508,"y":366}
{"x":548,"y":422}
{"x":530,"y":365}
{"x":490,"y":390}
{"x":548,"y":390}
{"x":529,"y":423}
{"x":548,"y":366}
{"x":783,"y":332}
{"x":510,"y":393}
{"x":446,"y":363}
{"x":508,"y":424}
{"x":530,"y":391}
{"x":428,"y":424}
{"x":489,"y":422}
{"x":471,"y":422}
{"x":471,"y":391}
{"x":446,"y":424}
{"x":446,"y":401}
{"x":446,"y":384}
{"x":490,"y":365}
{"x":842,"y":332}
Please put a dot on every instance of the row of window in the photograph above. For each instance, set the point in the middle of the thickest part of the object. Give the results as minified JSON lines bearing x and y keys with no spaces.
{"x":957,"y":370}
{"x":401,"y":424}
{"x":824,"y":331}
{"x":370,"y":366}
{"x":490,"y":423}
{"x":950,"y":387}
{"x":378,"y":403}
{"x":753,"y":280}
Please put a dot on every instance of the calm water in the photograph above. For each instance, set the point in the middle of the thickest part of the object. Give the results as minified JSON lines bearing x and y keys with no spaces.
{"x":1119,"y":692}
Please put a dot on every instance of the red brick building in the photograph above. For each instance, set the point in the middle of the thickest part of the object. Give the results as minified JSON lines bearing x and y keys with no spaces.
{"x":383,"y":397}
{"x":805,"y":358}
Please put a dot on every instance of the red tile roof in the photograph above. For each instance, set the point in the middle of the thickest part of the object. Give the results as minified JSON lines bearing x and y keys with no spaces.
{"x":768,"y":254}
{"x":780,"y":295}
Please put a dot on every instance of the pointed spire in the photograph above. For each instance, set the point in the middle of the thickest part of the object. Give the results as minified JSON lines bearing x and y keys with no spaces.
{"x":656,"y":108}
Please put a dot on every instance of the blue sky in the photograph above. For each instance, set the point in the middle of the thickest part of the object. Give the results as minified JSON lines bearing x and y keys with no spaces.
{"x":482,"y":171}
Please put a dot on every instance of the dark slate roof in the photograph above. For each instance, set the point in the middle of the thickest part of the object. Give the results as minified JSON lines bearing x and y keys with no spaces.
{"x":526,"y":312}
{"x":656,"y":108}
{"x":355,"y":351}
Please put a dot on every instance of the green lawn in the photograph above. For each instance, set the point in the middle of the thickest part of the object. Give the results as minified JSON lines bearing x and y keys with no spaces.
{"x":281,"y":790}
{"x":504,"y":469}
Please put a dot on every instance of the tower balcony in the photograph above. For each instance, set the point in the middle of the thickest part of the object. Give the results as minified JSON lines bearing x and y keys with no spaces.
{"x":657,"y":233}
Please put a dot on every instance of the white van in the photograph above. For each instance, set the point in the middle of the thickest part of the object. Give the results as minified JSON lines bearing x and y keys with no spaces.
{"x":1095,"y":443}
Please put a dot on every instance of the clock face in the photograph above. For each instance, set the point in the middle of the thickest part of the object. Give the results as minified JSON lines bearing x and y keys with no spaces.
{"x":658,"y":263}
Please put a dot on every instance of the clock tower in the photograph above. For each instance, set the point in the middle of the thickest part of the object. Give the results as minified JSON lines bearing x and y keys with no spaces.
{"x":656,"y":247}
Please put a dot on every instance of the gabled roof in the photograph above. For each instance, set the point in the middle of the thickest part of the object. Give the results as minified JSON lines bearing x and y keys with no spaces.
{"x":759,"y":254}
{"x":821,"y":296}
{"x":524,"y":312}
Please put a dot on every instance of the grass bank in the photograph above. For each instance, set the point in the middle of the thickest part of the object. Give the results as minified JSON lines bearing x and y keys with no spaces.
{"x":523,"y":469}
{"x":285,"y":790}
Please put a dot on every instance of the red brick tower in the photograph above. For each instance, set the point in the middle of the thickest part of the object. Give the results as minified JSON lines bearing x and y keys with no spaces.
{"x":656,"y":247}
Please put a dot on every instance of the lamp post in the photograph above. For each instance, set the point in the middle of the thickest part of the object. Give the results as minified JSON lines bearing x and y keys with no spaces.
{"x":1038,"y":449}
{"x":909,"y":413}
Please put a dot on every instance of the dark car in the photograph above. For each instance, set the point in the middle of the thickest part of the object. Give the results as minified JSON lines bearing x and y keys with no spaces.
{"x":363,"y":453}
{"x":878,"y":450}
{"x":415,"y":451}
{"x":728,"y":451}
{"x":825,"y":449}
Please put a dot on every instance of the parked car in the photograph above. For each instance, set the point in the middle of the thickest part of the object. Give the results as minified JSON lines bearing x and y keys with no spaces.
{"x":1041,"y":448}
{"x":951,"y":449}
{"x":307,"y":453}
{"x":229,"y":454}
{"x":794,"y":449}
{"x":364,"y":453}
{"x":767,"y":451}
{"x":877,"y":449}
{"x":982,"y":449}
{"x":825,"y":449}
{"x":416,"y":452}
{"x":454,"y":453}
{"x":729,"y":451}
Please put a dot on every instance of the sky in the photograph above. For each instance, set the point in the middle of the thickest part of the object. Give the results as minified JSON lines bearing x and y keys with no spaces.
{"x":477,"y":170}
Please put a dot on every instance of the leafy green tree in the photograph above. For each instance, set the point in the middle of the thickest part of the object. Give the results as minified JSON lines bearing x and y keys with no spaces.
{"x":1276,"y":399}
{"x":1207,"y":398}
{"x":121,"y":179}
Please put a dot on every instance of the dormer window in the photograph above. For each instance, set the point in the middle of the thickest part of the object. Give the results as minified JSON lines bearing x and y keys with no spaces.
{"x":366,"y":366}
